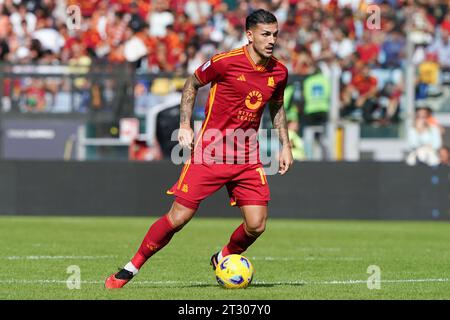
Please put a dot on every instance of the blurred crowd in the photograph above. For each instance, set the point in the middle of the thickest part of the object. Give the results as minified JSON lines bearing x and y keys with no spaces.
{"x":367,"y":44}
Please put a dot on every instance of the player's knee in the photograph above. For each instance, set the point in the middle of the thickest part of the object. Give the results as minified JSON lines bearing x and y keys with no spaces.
{"x":179,"y":220}
{"x":179,"y":217}
{"x":256,"y":228}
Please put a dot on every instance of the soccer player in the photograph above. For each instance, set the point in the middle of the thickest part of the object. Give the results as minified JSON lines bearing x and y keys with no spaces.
{"x":242,"y":81}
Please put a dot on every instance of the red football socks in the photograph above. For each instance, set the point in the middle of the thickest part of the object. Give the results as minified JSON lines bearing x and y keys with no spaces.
{"x":159,"y":234}
{"x":162,"y":230}
{"x":239,"y":242}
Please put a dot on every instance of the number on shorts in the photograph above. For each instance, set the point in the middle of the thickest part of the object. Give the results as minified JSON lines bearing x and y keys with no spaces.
{"x":262,"y":175}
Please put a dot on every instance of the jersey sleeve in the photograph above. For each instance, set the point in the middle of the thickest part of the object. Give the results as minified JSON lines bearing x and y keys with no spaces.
{"x":278,"y":95}
{"x":210,"y":71}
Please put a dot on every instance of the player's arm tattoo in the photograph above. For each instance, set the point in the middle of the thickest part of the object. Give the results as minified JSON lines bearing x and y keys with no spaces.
{"x":190,"y":89}
{"x":279,"y":122}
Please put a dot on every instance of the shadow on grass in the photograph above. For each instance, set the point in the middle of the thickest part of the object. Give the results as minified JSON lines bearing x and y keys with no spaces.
{"x":279,"y":284}
{"x":214,"y":285}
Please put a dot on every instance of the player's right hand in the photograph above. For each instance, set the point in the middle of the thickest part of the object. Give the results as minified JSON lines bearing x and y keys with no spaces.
{"x":286,"y":160}
{"x":186,"y":137}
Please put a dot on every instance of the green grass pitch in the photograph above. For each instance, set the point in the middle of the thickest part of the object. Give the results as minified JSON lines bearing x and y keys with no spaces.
{"x":294,"y":259}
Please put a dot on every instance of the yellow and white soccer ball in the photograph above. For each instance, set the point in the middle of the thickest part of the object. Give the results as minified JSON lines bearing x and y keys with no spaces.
{"x":234,"y":272}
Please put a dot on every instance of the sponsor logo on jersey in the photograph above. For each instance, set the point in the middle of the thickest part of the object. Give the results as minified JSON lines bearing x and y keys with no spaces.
{"x":253,"y":100}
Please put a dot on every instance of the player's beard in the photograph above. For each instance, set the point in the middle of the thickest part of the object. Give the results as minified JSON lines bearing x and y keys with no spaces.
{"x":264,"y":53}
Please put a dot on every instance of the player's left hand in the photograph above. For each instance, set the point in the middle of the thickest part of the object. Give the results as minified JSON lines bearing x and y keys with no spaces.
{"x":286,"y":160}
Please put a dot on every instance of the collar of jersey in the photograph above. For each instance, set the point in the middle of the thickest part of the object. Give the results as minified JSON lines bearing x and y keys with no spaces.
{"x":257,"y":67}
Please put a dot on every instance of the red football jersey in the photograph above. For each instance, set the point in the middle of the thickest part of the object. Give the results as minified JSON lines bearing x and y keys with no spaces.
{"x":239,"y":91}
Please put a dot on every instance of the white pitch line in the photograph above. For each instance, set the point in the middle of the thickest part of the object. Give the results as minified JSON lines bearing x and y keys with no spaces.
{"x":193,"y":283}
{"x":61,"y":257}
{"x":307,"y":258}
{"x":57,"y":257}
{"x":331,"y":282}
{"x":48,"y":281}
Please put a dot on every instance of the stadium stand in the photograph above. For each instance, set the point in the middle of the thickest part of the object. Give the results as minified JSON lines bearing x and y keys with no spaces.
{"x":158,"y":42}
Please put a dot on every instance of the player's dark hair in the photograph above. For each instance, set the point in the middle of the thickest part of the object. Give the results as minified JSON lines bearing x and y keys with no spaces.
{"x":259,"y":16}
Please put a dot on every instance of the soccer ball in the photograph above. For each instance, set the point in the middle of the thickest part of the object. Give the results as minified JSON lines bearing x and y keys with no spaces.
{"x":234,"y":272}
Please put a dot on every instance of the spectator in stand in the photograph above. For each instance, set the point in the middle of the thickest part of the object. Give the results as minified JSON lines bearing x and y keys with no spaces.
{"x":428,"y":82}
{"x":159,"y":18}
{"x":424,"y":141}
{"x":441,"y":47}
{"x":184,"y":28}
{"x":297,"y":145}
{"x":393,"y":49}
{"x":342,"y":46}
{"x":34,"y":97}
{"x":445,"y":25}
{"x":368,"y":50}
{"x":137,"y":22}
{"x":360,"y":94}
{"x":193,"y":58}
{"x":235,"y":38}
{"x":5,"y":25}
{"x":23,"y":21}
{"x":49,"y":37}
{"x":419,"y":24}
{"x":389,"y":101}
{"x":316,"y":98}
{"x":136,"y":48}
{"x":198,"y":11}
{"x":174,"y":45}
{"x":162,"y":60}
{"x":302,"y":63}
{"x":431,"y":120}
{"x":80,"y":63}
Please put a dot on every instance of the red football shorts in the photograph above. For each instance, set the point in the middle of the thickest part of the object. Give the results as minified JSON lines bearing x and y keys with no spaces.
{"x":246,"y":184}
